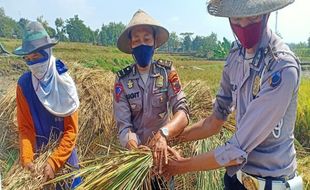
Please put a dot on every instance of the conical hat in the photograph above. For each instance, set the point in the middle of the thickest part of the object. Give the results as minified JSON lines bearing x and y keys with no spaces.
{"x":245,"y":8}
{"x":141,"y":18}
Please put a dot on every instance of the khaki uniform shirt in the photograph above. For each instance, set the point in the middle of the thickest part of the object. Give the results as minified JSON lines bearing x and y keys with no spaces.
{"x":265,"y":99}
{"x":142,"y":109}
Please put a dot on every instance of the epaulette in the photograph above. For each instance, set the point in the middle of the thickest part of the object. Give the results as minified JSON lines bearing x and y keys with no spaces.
{"x":124,"y":72}
{"x":164,"y":63}
{"x":234,"y":47}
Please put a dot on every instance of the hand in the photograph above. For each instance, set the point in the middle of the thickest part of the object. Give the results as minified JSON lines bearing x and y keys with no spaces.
{"x":131,"y":144}
{"x":30,"y":166}
{"x":48,"y":172}
{"x":176,"y":165}
{"x":144,"y":148}
{"x":159,"y":150}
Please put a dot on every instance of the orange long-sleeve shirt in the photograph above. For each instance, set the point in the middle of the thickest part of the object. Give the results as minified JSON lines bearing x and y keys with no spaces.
{"x":27,"y":134}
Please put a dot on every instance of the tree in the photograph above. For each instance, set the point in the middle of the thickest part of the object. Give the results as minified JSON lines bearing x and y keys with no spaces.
{"x":77,"y":31}
{"x":187,"y":41}
{"x":309,"y":42}
{"x":173,"y":42}
{"x":8,"y":26}
{"x":60,"y":29}
{"x":109,"y":33}
{"x":51,"y":31}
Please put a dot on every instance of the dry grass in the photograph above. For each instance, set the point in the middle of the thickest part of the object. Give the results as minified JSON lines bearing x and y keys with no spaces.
{"x":96,"y":121}
{"x":19,"y":178}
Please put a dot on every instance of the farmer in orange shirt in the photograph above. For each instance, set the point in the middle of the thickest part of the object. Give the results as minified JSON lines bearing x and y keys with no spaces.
{"x":47,"y":103}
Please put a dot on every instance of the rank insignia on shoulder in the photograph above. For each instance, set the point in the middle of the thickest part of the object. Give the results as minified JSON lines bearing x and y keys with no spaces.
{"x":124,"y":72}
{"x":118,"y":90}
{"x":164,"y":63}
{"x":275,"y":79}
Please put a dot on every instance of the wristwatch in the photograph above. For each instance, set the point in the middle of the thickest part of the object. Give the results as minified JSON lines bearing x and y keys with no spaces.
{"x":164,"y":132}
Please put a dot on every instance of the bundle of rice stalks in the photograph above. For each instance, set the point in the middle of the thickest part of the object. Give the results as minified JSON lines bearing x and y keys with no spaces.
{"x":119,"y":169}
{"x":8,"y":128}
{"x":210,"y":179}
{"x":96,"y":121}
{"x":200,"y":101}
{"x":19,"y":178}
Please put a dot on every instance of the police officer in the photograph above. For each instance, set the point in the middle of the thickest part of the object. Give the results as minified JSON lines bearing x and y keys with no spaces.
{"x":146,"y":91}
{"x":260,"y":81}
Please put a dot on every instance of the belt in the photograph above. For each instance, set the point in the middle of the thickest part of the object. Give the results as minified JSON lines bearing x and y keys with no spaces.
{"x":257,"y":183}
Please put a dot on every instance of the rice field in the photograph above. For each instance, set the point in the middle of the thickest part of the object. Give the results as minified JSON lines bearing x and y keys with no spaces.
{"x":91,"y":67}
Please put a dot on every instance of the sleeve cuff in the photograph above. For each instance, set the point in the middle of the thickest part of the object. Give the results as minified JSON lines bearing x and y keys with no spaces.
{"x":127,"y":137}
{"x":228,"y":152}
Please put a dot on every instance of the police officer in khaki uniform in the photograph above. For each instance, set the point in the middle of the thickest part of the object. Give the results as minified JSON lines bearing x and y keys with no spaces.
{"x":260,"y":81}
{"x":146,"y":92}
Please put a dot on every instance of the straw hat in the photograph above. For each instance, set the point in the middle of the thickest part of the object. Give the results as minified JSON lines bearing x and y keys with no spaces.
{"x":35,"y":38}
{"x":142,"y":18}
{"x":245,"y":8}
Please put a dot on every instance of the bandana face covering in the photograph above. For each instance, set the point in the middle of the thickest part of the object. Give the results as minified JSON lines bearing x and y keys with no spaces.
{"x":143,"y":54}
{"x":249,"y":35}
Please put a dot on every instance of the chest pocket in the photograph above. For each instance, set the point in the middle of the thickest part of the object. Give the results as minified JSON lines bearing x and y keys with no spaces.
{"x":159,"y":104}
{"x":135,"y":105}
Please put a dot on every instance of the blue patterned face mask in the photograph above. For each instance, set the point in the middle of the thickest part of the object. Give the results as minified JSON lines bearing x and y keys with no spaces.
{"x":143,"y":54}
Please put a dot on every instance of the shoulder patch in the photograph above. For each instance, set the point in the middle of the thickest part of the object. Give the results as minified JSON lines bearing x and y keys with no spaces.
{"x":124,"y":72}
{"x":234,"y":46}
{"x":275,"y":79}
{"x":164,"y":63}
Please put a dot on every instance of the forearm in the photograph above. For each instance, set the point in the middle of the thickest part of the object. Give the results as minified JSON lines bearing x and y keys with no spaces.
{"x":202,"y":162}
{"x":177,"y":124}
{"x":66,"y":144}
{"x":202,"y":129}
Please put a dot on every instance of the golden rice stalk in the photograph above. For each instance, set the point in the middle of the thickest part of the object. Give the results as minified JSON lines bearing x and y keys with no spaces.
{"x":19,"y":178}
{"x":96,"y":121}
{"x":8,"y":128}
{"x":200,"y":102}
{"x":119,"y":169}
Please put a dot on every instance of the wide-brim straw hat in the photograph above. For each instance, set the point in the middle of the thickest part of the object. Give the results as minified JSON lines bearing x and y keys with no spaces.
{"x":35,"y":38}
{"x":245,"y":8}
{"x":141,"y":18}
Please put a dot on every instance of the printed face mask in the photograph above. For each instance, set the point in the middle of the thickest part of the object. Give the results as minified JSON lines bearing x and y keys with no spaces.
{"x":143,"y":54}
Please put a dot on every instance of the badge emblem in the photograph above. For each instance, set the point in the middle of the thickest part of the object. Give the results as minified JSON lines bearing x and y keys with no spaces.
{"x":256,"y":85}
{"x":174,"y":81}
{"x":275,"y":79}
{"x":118,"y":89}
{"x":159,"y":81}
{"x":130,"y":84}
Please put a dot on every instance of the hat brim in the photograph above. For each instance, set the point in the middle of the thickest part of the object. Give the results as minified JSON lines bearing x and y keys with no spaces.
{"x":20,"y":51}
{"x":245,"y":8}
{"x":161,"y":37}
